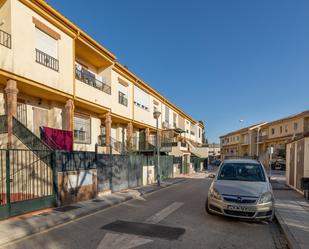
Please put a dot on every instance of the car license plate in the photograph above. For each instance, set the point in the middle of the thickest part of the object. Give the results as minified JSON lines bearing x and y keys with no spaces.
{"x":239,"y":208}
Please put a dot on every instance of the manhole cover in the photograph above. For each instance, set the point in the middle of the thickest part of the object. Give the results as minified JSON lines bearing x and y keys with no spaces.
{"x":66,"y":208}
{"x":144,"y":229}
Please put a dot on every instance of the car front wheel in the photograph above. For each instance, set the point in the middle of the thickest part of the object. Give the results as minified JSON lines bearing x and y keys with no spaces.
{"x":207,"y":207}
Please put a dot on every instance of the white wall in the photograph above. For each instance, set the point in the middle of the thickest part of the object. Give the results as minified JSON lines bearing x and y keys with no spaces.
{"x":117,"y":108}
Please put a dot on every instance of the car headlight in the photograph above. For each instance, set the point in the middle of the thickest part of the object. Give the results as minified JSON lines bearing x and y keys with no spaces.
{"x":215,"y":194}
{"x":266,"y":197}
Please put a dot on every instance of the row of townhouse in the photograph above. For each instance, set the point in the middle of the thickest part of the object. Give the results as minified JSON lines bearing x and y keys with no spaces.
{"x":256,"y":140}
{"x":52,"y":74}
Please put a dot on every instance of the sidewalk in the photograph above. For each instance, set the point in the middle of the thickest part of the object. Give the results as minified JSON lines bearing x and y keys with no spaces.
{"x":23,"y":226}
{"x":292,"y":212}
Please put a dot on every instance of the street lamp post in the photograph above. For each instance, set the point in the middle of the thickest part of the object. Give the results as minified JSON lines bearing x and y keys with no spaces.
{"x":156,"y":115}
{"x":257,"y":142}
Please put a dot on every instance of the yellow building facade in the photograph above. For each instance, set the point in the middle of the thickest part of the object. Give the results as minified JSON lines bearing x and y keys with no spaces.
{"x":64,"y":79}
{"x":257,"y":139}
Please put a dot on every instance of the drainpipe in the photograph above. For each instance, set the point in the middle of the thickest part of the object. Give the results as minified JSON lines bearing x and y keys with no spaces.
{"x":74,"y":83}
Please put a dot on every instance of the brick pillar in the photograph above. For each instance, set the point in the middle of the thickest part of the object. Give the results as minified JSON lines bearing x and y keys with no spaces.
{"x":69,"y":113}
{"x":130,"y":135}
{"x":147,"y":134}
{"x":108,"y":128}
{"x":11,"y":92}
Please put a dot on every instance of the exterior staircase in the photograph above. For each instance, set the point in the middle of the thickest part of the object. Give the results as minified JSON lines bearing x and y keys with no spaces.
{"x":27,"y":138}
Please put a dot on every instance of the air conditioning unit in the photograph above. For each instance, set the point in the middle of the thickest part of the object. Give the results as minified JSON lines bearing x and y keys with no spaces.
{"x":165,"y":125}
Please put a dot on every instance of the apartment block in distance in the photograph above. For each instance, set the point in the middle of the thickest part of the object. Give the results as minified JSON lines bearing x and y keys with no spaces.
{"x":54,"y":75}
{"x":240,"y":143}
{"x":257,"y":139}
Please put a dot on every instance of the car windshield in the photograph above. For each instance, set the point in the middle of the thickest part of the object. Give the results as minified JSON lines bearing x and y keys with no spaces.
{"x":242,"y":172}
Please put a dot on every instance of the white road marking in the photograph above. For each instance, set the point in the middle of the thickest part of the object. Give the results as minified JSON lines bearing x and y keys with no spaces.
{"x":164,"y":213}
{"x":127,"y":241}
{"x":121,"y":241}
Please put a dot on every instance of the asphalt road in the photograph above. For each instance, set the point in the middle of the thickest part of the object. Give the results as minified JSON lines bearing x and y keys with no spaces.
{"x":170,"y":218}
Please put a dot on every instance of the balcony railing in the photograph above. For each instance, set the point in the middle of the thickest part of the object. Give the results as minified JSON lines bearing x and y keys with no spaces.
{"x":5,"y":39}
{"x":122,"y":99}
{"x":245,"y":141}
{"x":169,"y":144}
{"x":46,"y":60}
{"x":263,"y":138}
{"x":90,"y":79}
{"x":116,"y":145}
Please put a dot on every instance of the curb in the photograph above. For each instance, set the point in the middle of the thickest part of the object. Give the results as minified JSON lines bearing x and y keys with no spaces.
{"x":288,"y":235}
{"x":160,"y":188}
{"x":72,"y":217}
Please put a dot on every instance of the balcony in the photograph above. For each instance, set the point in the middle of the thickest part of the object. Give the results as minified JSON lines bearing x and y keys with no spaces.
{"x":92,"y":79}
{"x":122,"y":99}
{"x":245,"y":142}
{"x":263,"y":138}
{"x":5,"y":39}
{"x":46,"y":60}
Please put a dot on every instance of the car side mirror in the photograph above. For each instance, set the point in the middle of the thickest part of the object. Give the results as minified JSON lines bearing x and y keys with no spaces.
{"x":211,"y":175}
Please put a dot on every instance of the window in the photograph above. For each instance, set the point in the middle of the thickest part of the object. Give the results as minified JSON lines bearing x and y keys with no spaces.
{"x":286,"y":128}
{"x":46,"y":49}
{"x":272,"y":131}
{"x":82,"y":129}
{"x":122,"y":99}
{"x":295,"y":126}
{"x":122,"y":95}
{"x":167,"y":114}
{"x":281,"y":129}
{"x":155,"y":106}
{"x":199,"y":133}
{"x":141,"y":98}
{"x":174,"y":120}
{"x":242,"y":172}
{"x":237,"y":138}
{"x":192,"y":129}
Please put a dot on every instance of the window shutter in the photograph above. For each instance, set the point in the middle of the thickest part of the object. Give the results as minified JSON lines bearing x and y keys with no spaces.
{"x":123,"y":89}
{"x":141,"y":97}
{"x":46,"y":43}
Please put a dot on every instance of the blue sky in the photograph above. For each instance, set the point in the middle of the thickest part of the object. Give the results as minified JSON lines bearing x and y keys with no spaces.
{"x":220,"y":60}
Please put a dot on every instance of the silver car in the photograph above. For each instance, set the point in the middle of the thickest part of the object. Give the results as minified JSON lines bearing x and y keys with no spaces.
{"x":241,"y":189}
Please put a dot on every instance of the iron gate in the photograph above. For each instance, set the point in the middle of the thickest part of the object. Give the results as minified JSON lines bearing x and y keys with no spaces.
{"x":27,"y":181}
